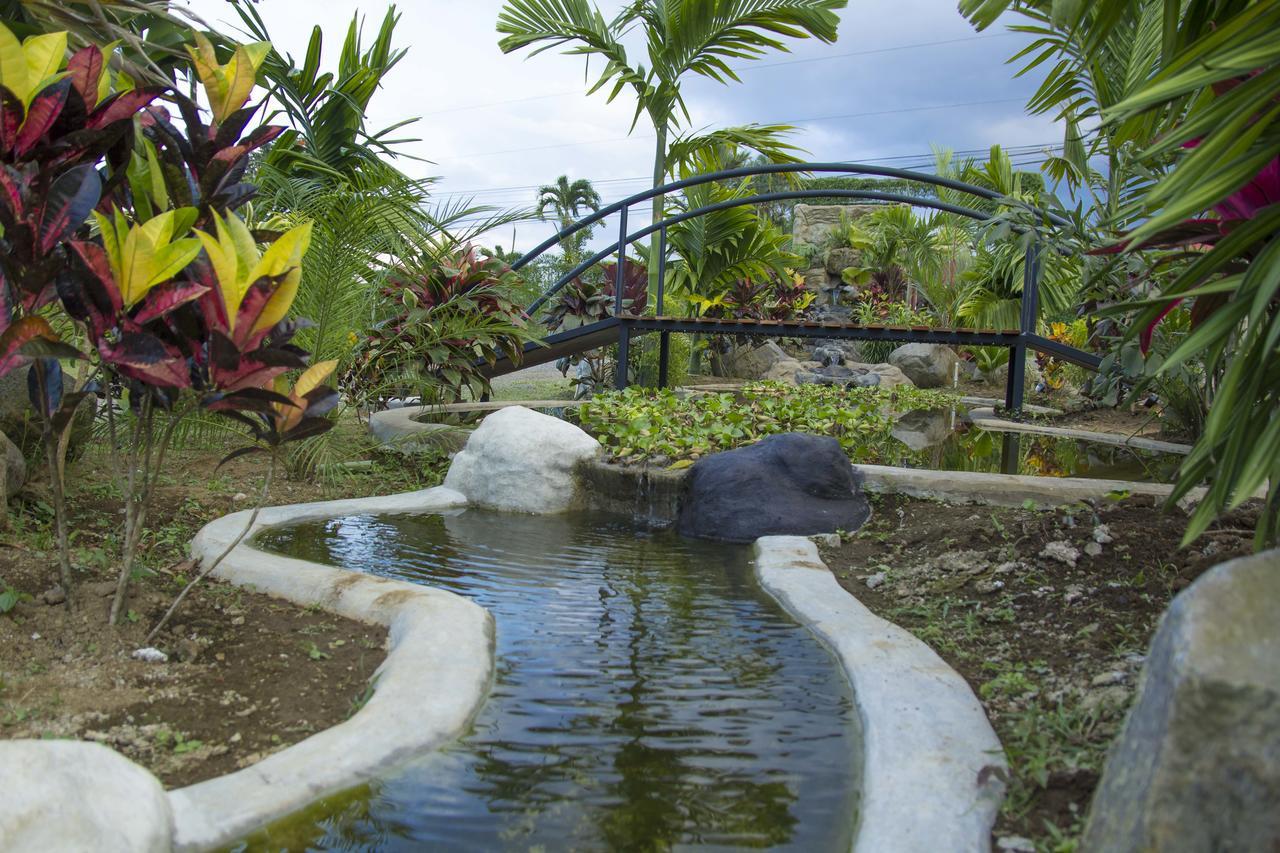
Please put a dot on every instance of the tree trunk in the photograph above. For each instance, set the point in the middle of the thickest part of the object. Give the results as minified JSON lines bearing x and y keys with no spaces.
{"x":659,"y":178}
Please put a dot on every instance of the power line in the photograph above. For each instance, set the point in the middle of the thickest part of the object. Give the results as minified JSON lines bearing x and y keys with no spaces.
{"x":927,"y":157}
{"x":745,"y":68}
{"x":784,"y":121}
{"x":1012,"y":152}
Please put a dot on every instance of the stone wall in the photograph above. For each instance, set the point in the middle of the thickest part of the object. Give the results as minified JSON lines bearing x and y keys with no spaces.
{"x":814,"y":222}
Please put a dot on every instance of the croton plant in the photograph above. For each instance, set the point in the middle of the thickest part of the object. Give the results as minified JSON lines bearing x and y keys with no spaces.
{"x":121,"y":247}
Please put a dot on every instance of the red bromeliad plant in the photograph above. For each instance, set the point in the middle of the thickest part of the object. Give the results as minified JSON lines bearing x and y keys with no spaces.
{"x":442,"y":320}
{"x":635,"y":286}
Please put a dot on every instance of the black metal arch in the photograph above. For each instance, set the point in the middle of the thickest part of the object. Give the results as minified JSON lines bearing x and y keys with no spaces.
{"x":775,"y":169}
{"x":622,"y":327}
{"x":636,"y":236}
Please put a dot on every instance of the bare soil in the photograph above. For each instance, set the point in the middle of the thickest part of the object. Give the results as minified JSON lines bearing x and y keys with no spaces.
{"x":246,"y":675}
{"x":1047,"y":615}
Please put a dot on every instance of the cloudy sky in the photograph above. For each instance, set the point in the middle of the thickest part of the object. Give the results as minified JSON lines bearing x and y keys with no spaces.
{"x":903,"y":76}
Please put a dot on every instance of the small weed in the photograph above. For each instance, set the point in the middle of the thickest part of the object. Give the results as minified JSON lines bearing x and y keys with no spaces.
{"x":177,"y":741}
{"x":10,"y":597}
{"x":313,"y":651}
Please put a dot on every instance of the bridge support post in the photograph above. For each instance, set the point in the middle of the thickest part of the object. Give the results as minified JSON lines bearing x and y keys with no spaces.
{"x":1030,"y":305}
{"x":664,"y":358}
{"x":624,"y":357}
{"x":1010,"y":453}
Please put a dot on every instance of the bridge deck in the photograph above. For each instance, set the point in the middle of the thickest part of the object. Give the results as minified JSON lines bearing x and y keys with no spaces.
{"x":606,"y":332}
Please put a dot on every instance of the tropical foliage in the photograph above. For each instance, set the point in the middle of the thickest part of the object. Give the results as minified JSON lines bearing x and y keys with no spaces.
{"x":439,"y":321}
{"x":569,"y":200}
{"x":173,"y":300}
{"x":698,"y":37}
{"x":1194,"y":124}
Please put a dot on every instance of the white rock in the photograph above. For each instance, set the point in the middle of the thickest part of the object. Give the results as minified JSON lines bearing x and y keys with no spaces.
{"x":876,"y":580}
{"x":1102,"y":535}
{"x":1062,"y":551}
{"x":150,"y":655}
{"x":1093,"y":549}
{"x":1015,"y":844}
{"x":69,"y":795}
{"x":522,"y":461}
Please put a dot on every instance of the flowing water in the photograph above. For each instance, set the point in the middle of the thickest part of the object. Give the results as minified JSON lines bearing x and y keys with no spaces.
{"x":648,"y":696}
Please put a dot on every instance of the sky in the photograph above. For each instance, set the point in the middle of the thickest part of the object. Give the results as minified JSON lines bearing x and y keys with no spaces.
{"x":903,"y":76}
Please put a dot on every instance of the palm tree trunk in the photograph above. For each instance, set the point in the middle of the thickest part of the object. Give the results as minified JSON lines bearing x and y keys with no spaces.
{"x":659,"y":178}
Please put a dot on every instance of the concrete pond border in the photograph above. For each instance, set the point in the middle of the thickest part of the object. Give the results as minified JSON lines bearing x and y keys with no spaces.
{"x":435,"y":677}
{"x":931,"y":771}
{"x":932,"y":764}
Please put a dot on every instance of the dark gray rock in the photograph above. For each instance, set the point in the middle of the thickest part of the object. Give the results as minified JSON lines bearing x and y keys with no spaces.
{"x":833,"y":314}
{"x":1197,"y":764}
{"x":788,"y":484}
{"x":853,"y":375}
{"x":828,"y":355}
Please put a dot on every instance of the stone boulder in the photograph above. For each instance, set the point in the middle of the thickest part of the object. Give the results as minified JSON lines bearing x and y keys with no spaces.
{"x":18,"y":420}
{"x":15,"y":468}
{"x":788,"y":484}
{"x":814,"y":223}
{"x":1197,"y":765}
{"x":522,"y":461}
{"x":852,"y":374}
{"x":927,"y":365}
{"x":840,"y":259}
{"x":785,"y":371}
{"x":69,"y":795}
{"x":816,"y":281}
{"x":750,"y":362}
{"x":923,"y":428}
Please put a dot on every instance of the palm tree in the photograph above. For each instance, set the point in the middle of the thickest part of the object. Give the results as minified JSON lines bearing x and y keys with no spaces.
{"x":326,"y":110}
{"x":569,"y":201}
{"x":682,"y":37}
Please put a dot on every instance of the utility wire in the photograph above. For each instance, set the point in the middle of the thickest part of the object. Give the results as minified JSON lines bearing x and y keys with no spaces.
{"x":745,"y":68}
{"x":645,"y":215}
{"x":926,"y":159}
{"x":785,"y":121}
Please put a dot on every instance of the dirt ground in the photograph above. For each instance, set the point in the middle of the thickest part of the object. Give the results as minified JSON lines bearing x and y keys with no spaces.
{"x":1047,"y":615}
{"x":246,"y":674}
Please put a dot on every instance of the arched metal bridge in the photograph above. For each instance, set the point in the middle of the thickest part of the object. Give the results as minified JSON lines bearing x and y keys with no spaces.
{"x":621,"y":326}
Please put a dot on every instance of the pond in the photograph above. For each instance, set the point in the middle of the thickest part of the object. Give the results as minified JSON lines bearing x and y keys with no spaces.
{"x":648,"y":695}
{"x":942,"y":440}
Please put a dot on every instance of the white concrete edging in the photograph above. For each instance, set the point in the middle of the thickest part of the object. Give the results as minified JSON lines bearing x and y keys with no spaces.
{"x":986,"y":419}
{"x":932,"y":764}
{"x":1012,"y":490}
{"x":435,"y":677}
{"x":399,"y":430}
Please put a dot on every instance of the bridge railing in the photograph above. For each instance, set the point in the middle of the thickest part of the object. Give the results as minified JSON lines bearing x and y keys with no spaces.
{"x":1029,"y":308}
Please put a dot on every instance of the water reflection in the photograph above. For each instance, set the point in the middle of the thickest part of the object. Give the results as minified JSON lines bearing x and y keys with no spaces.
{"x":941,"y":440}
{"x":649,"y":695}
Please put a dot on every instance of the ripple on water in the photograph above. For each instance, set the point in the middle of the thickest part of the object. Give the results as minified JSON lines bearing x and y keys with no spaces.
{"x":648,"y":695}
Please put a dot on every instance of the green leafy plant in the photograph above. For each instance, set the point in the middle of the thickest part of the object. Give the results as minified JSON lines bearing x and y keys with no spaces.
{"x":1199,"y":111}
{"x":440,"y":320}
{"x":639,"y":423}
